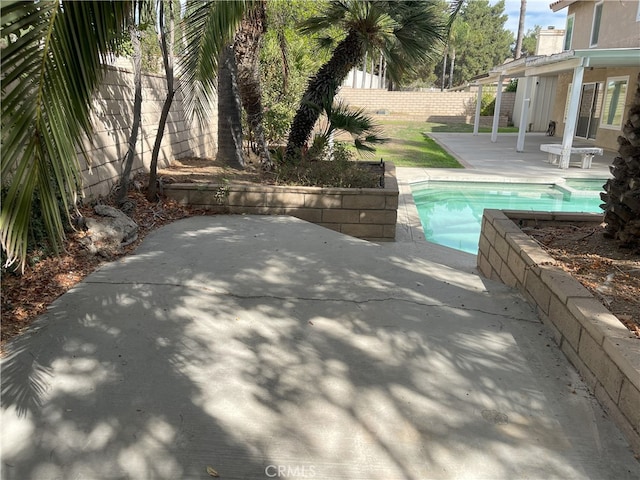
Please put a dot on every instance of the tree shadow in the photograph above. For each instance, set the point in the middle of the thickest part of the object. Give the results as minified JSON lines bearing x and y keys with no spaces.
{"x":222,"y":342}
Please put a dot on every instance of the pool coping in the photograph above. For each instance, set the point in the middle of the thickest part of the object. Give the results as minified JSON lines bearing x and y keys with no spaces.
{"x":599,"y":346}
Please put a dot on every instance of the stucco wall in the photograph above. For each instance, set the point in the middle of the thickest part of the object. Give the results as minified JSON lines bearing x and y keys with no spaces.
{"x":618,"y":25}
{"x":112,"y":117}
{"x":605,"y":137}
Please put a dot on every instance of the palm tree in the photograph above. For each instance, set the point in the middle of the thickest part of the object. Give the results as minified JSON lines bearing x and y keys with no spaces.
{"x":406,"y":33}
{"x":520,"y":37}
{"x":457,"y":38}
{"x":51,"y":61}
{"x":246,"y":47}
{"x":208,"y":28}
{"x":622,"y":192}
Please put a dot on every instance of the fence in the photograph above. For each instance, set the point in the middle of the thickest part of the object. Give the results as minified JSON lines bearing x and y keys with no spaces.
{"x":432,"y":106}
{"x":112,"y":119}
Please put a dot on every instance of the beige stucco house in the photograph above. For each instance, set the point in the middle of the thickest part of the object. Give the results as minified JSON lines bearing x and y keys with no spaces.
{"x":588,"y":86}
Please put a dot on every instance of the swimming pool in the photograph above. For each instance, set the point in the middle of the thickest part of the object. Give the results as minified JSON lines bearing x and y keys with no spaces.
{"x":451,"y":212}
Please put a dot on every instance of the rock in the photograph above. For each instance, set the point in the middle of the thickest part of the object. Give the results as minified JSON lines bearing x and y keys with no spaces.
{"x":109,"y":232}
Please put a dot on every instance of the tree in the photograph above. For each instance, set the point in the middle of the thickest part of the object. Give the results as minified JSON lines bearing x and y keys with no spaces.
{"x":457,"y":39}
{"x":246,"y":47}
{"x":135,"y":22}
{"x":530,"y":41}
{"x":208,"y":27}
{"x":520,"y":36}
{"x":404,"y":32}
{"x":167,"y":39}
{"x":230,"y":137}
{"x":47,"y":84}
{"x":286,"y":58}
{"x":622,"y":192}
{"x":488,"y":43}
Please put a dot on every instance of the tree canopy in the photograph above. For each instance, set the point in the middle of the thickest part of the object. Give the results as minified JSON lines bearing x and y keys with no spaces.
{"x":487,"y":43}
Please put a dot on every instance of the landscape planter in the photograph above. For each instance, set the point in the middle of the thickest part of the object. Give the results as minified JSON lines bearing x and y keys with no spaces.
{"x":367,"y":213}
{"x":601,"y":348}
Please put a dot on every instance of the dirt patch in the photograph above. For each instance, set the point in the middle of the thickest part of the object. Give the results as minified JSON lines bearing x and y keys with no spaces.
{"x":610,"y":273}
{"x":205,"y":170}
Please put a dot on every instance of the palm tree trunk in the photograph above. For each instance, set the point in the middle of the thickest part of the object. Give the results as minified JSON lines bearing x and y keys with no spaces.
{"x":166,"y":45}
{"x":622,"y":192}
{"x":453,"y":62}
{"x":322,"y":88}
{"x":523,"y":10}
{"x":137,"y":114}
{"x":247,"y":47}
{"x":229,"y":117}
{"x":444,"y":71}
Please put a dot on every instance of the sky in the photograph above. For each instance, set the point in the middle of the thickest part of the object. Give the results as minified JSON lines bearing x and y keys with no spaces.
{"x":538,"y":13}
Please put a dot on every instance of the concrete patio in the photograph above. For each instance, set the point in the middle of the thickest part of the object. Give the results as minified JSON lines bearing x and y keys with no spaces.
{"x":268,"y":347}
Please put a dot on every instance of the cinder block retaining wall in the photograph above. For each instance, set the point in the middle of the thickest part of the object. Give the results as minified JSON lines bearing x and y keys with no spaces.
{"x":367,"y":213}
{"x":112,"y":118}
{"x":605,"y":353}
{"x":432,"y":106}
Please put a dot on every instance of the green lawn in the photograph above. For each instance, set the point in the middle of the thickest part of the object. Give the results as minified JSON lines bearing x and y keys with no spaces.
{"x":410,"y":146}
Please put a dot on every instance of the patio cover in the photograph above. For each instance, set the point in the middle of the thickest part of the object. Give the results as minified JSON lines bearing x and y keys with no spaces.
{"x":540,"y":65}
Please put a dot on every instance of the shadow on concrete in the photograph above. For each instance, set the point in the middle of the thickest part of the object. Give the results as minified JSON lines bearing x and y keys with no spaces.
{"x":247,"y":343}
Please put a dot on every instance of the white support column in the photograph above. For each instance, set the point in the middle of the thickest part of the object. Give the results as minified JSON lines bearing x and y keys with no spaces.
{"x":524,"y":113}
{"x":572,"y":116}
{"x":476,"y":121}
{"x":496,"y":111}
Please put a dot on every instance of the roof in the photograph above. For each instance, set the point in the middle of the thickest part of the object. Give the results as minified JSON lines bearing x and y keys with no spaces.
{"x":541,"y":65}
{"x":560,"y":4}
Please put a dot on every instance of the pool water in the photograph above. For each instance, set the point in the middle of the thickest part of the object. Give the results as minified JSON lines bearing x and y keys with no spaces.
{"x":589,"y":184}
{"x":451,"y":212}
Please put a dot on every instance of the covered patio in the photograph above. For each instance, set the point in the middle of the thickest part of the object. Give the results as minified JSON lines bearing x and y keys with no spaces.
{"x":574,"y":62}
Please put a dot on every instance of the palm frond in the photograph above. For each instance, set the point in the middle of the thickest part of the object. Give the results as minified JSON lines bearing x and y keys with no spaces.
{"x":51,"y":66}
{"x":208,"y":27}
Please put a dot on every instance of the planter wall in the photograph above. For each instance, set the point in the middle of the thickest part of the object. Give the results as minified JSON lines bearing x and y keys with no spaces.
{"x":367,"y":213}
{"x":601,"y":348}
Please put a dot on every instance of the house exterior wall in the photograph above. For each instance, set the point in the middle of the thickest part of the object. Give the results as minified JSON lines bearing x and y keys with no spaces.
{"x":605,"y":137}
{"x":549,"y":41}
{"x":619,"y":27}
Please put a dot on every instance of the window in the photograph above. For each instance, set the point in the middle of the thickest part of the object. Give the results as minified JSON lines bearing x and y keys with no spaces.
{"x":638,"y":14}
{"x":595,"y":27}
{"x":615,"y":97}
{"x":568,"y":33}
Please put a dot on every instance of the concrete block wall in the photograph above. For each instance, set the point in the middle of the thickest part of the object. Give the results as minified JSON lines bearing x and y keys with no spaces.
{"x":432,"y":106}
{"x":601,"y":348}
{"x":367,"y":213}
{"x":112,"y":117}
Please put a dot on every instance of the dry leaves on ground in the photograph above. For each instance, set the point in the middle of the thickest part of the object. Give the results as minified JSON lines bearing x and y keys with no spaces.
{"x":610,"y":273}
{"x":26,"y":296}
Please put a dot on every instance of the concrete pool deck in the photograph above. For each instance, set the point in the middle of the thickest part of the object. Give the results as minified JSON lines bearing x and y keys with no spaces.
{"x":269,"y":347}
{"x":486,"y":161}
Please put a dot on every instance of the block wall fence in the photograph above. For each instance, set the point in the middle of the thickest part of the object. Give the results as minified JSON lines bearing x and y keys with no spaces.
{"x":112,"y":118}
{"x":432,"y":106}
{"x":113,"y":114}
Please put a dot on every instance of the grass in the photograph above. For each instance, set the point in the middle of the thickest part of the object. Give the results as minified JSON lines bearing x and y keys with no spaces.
{"x":410,"y":146}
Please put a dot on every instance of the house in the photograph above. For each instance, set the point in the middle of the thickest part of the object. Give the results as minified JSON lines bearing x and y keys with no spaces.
{"x":594,"y":78}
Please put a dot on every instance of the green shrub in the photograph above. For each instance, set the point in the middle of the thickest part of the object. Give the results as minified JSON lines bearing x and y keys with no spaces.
{"x":314,"y":170}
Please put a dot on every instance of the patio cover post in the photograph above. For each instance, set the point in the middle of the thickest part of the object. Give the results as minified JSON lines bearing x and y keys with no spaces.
{"x":572,"y":115}
{"x":496,"y":111}
{"x":476,"y":121}
{"x":524,"y":114}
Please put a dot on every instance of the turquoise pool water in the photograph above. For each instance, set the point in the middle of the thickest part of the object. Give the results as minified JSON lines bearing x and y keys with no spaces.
{"x":451,"y":212}
{"x":586,"y":184}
